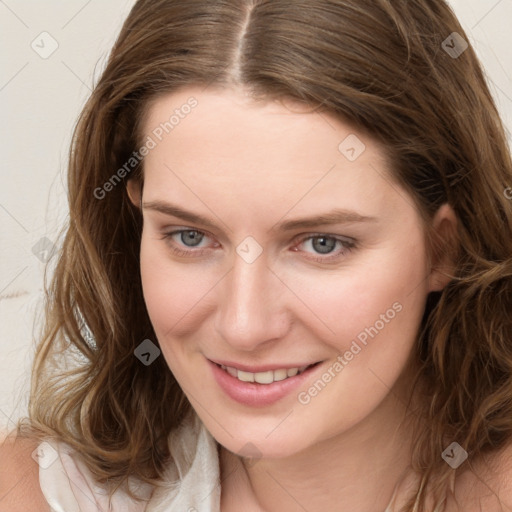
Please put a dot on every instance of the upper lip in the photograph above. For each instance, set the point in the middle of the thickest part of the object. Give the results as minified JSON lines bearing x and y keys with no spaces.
{"x":262,"y":367}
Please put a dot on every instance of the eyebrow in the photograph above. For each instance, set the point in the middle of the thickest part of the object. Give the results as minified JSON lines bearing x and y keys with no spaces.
{"x":336,"y":216}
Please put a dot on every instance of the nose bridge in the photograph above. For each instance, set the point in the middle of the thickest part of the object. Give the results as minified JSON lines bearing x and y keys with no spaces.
{"x":250,"y":312}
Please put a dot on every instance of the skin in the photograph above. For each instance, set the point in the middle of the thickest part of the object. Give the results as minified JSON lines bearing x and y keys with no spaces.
{"x":248,"y":166}
{"x":19,"y":476}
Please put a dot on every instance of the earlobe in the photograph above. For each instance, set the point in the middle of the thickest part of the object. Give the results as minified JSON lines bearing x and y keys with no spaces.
{"x":444,"y":247}
{"x":134,"y":190}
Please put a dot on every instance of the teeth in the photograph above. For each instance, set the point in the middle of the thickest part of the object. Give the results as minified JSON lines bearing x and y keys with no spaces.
{"x":232,"y":371}
{"x":263,"y":377}
{"x":280,"y":374}
{"x":246,"y":376}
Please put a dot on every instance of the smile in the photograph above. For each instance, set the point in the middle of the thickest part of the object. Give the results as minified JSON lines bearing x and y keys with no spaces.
{"x":264,"y":377}
{"x":261,"y":388}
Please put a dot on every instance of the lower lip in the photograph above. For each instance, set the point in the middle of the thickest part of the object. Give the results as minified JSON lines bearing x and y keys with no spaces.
{"x":255,"y":394}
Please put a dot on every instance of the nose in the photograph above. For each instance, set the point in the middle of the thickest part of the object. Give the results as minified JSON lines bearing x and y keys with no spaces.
{"x":252,"y":308}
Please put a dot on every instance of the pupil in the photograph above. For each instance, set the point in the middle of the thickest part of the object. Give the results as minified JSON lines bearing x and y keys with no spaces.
{"x":193,"y":236}
{"x":326,"y":245}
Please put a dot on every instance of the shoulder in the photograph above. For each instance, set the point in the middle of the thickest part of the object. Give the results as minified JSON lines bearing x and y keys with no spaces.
{"x":487,"y":483}
{"x":19,"y":476}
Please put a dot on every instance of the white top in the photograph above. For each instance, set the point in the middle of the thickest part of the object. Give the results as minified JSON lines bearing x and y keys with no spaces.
{"x":192,"y":482}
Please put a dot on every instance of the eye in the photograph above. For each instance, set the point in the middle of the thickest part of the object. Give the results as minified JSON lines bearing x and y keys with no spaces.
{"x":192,"y":237}
{"x":189,"y":238}
{"x":325,"y":244}
{"x":187,"y":242}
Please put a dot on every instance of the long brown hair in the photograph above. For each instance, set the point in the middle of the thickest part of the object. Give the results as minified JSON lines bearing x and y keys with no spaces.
{"x":382,"y":65}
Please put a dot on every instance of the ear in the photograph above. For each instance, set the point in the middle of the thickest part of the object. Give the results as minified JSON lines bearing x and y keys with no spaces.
{"x":134,"y":190}
{"x":444,"y":247}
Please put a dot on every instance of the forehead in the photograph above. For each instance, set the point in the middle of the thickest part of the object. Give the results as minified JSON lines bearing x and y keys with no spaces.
{"x":233,"y":115}
{"x":227,"y":142}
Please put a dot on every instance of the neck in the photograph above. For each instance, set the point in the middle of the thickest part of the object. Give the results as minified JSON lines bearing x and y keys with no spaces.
{"x":356,"y":470}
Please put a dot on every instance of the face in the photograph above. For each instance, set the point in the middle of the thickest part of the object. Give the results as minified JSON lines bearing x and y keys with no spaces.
{"x":275,"y":238}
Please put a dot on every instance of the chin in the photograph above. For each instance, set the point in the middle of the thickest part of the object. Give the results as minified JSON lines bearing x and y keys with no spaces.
{"x":255,"y":441}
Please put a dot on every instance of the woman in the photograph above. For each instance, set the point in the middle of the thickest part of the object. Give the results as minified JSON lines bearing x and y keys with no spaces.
{"x":286,"y":281}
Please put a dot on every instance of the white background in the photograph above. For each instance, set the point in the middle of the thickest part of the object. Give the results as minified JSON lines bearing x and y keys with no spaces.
{"x":40,"y":100}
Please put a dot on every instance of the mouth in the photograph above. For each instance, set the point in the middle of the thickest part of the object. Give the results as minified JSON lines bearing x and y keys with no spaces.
{"x":261,"y":388}
{"x":268,"y":376}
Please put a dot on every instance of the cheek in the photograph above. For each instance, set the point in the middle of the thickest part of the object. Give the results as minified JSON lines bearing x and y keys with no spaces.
{"x":385,"y":313}
{"x":375,"y":313}
{"x":174,"y":293}
{"x":384,"y":289}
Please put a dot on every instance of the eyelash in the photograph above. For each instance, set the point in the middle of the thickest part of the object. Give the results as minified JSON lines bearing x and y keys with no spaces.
{"x":348,"y":245}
